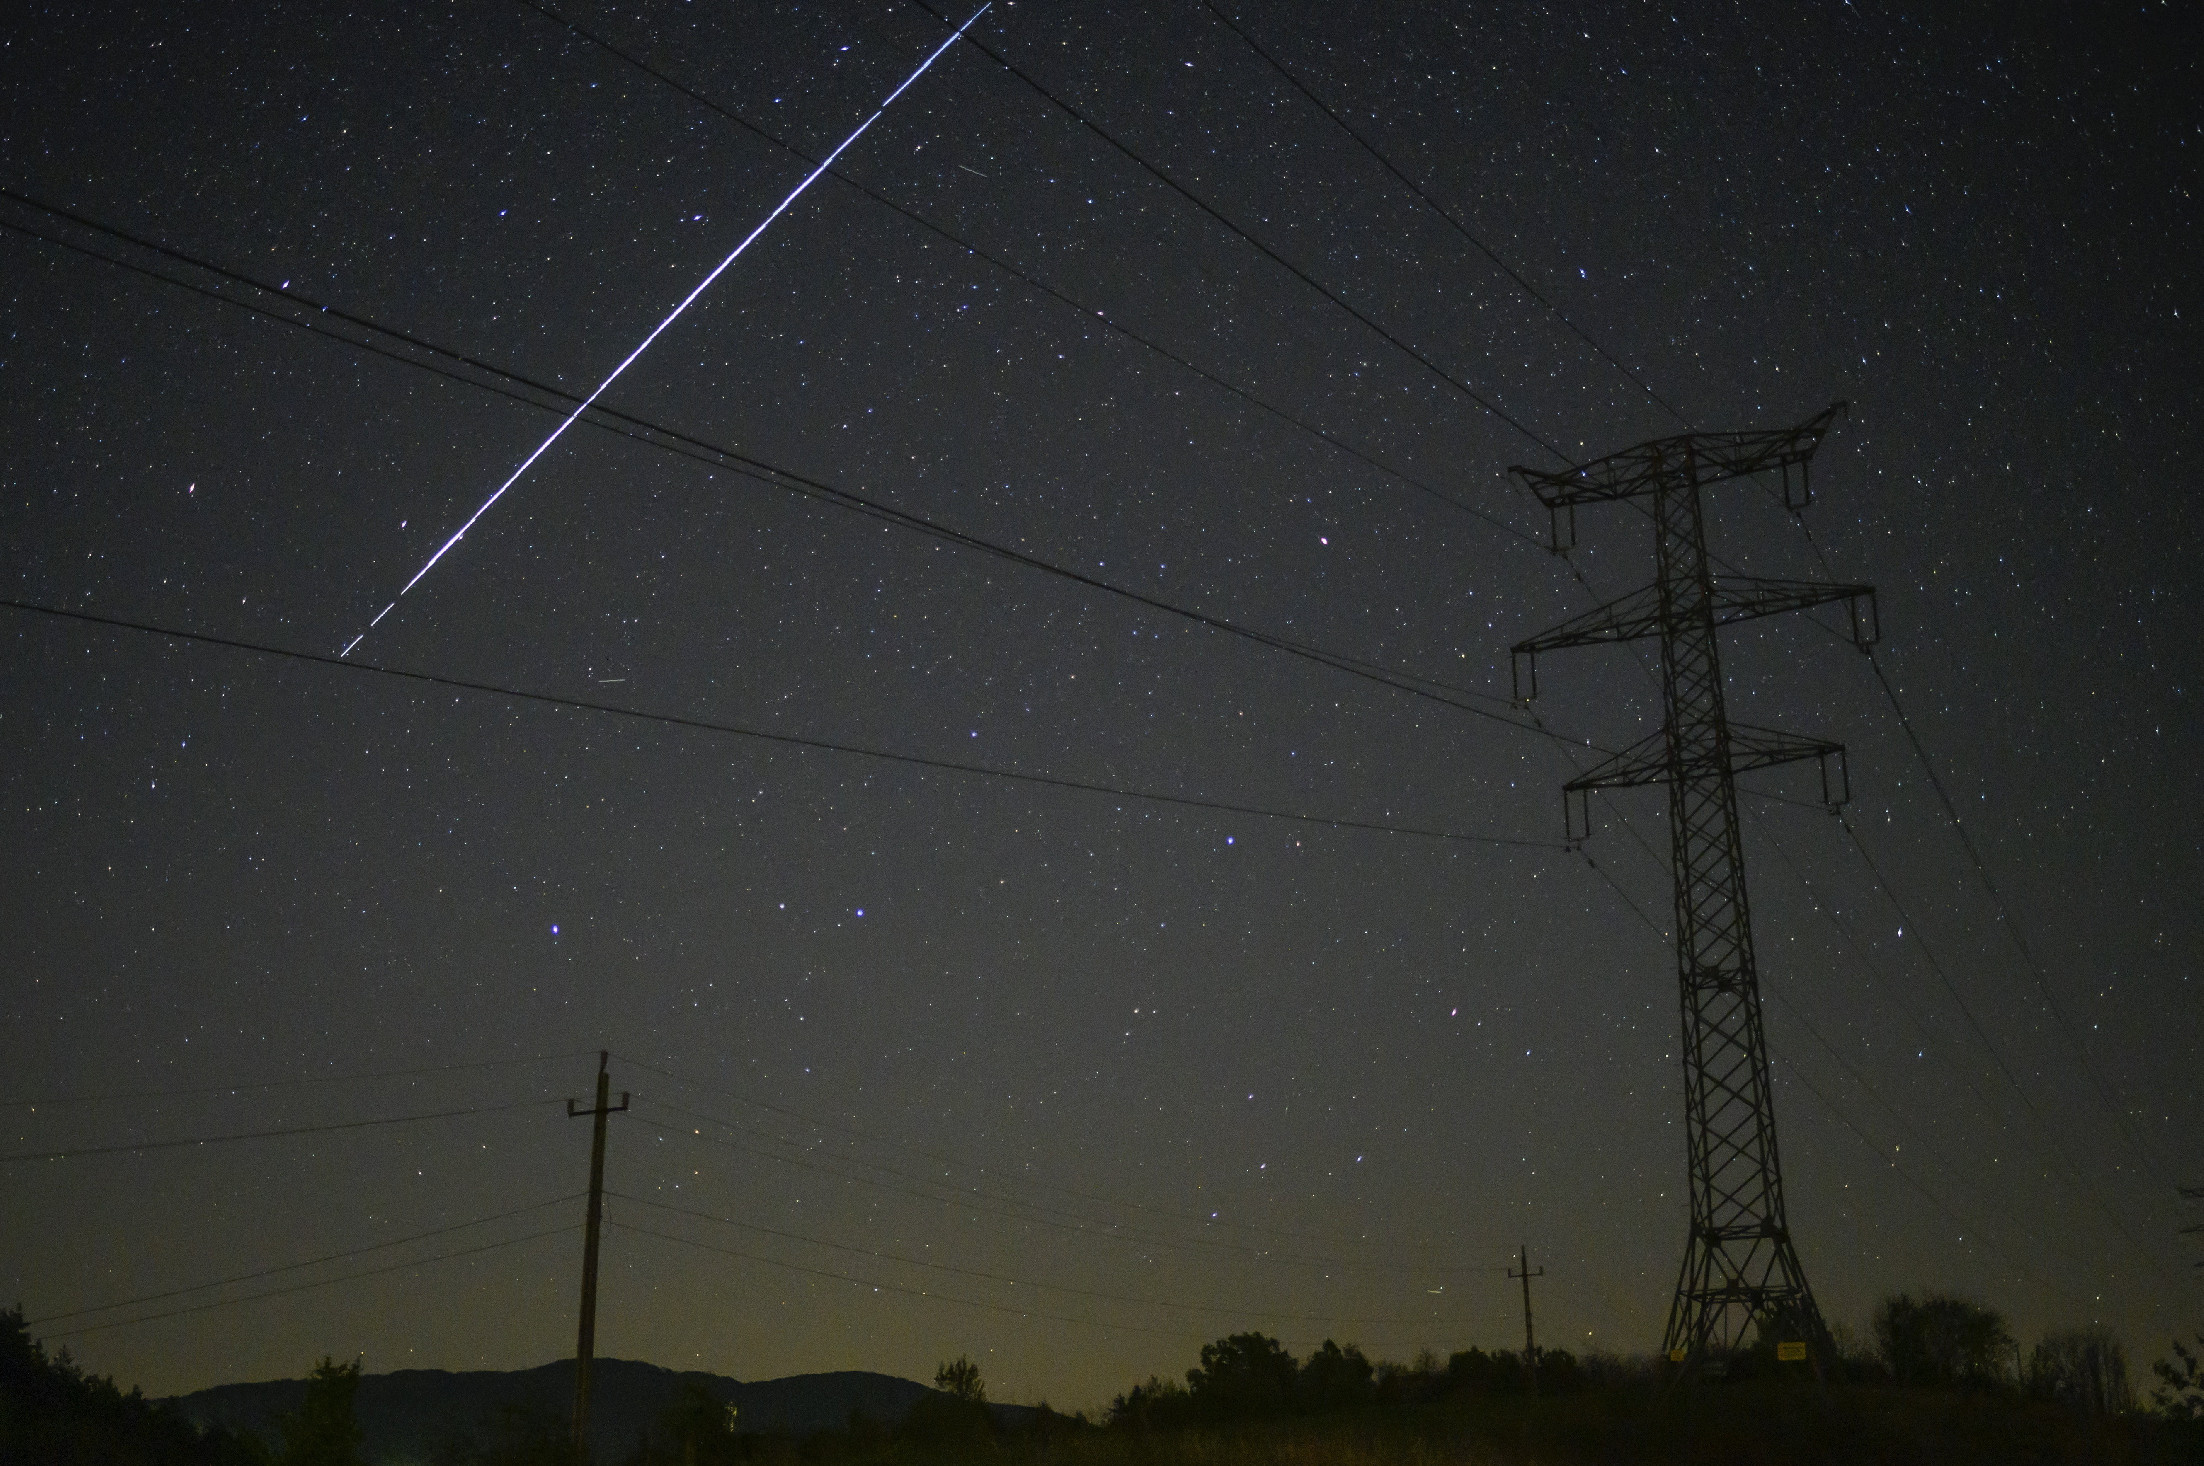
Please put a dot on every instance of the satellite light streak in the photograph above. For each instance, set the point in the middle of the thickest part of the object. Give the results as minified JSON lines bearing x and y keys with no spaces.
{"x":672,"y":316}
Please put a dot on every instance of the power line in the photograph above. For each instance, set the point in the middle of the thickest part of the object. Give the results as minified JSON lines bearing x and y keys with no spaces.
{"x":948,"y":1159}
{"x":1943,"y":977}
{"x":656,"y":331}
{"x":1950,"y":809}
{"x":1033,"y":1212}
{"x":374,"y":1272}
{"x":1974,"y":856}
{"x":966,"y":1272}
{"x":2071,"y":1173}
{"x":2057,"y":1151}
{"x":701,"y":450}
{"x":792,"y":740}
{"x":2052,"y":1148}
{"x":2054,"y":1152}
{"x":292,"y":1267}
{"x":1089,"y":313}
{"x":1461,"y":229}
{"x":879,"y":1287}
{"x":1923,"y":1029}
{"x":126,"y":1094}
{"x":726,"y":458}
{"x":81,"y":1152}
{"x":1931,"y":1197}
{"x":1157,"y":173}
{"x":2012,"y":927}
{"x":1837,"y":1111}
{"x":1441,"y":210}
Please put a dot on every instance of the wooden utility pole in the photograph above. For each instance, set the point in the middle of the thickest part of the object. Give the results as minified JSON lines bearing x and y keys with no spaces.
{"x":585,"y":1348}
{"x":1530,"y":1347}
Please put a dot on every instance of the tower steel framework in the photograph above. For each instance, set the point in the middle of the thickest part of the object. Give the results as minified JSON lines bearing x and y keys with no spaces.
{"x":1740,"y":1268}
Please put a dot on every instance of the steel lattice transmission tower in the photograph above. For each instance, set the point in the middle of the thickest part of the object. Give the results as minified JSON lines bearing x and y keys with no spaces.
{"x":1739,"y":1267}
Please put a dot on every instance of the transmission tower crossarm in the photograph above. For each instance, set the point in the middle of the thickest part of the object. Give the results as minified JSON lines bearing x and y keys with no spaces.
{"x":1642,"y":763}
{"x":1764,"y":748}
{"x":1638,"y":616}
{"x":1686,"y":460}
{"x":1625,"y":618}
{"x":1748,"y":597}
{"x":1649,"y":761}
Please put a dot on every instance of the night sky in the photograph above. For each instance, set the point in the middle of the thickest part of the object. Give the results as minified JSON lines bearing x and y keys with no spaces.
{"x":1073,"y":1082}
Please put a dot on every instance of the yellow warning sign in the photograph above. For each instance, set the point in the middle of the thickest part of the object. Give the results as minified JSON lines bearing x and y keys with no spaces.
{"x":1790,"y":1352}
{"x":1676,"y":1356}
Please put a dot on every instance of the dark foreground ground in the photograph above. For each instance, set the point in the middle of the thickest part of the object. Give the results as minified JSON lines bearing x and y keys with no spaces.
{"x":1740,"y":1425}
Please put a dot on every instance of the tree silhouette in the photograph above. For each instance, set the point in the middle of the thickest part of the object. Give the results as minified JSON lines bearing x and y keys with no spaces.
{"x":956,"y":1414}
{"x":53,"y":1413}
{"x":1336,"y":1379}
{"x":324,"y":1431}
{"x":1941,"y":1340}
{"x":701,"y":1423}
{"x":2181,"y":1394}
{"x":2084,"y":1368}
{"x":1244,"y":1374}
{"x":960,"y":1377}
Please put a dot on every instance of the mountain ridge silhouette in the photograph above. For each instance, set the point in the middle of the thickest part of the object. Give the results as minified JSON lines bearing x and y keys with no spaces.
{"x":407,"y":1414}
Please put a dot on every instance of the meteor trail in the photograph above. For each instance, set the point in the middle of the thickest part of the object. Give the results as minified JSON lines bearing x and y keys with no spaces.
{"x":672,"y":316}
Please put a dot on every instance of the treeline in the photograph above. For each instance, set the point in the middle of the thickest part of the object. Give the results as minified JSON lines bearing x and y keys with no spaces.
{"x":1941,"y":1379}
{"x":54,"y":1414}
{"x":1253,"y":1377}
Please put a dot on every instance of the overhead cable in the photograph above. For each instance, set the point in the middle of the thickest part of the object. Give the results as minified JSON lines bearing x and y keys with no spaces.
{"x":663,"y":326}
{"x":2011,"y":927}
{"x":878,"y":1287}
{"x":1838,"y":1112}
{"x":81,"y":1152}
{"x":353,"y":1078}
{"x":1160,"y":175}
{"x":1089,"y":314}
{"x":1166,"y":1213}
{"x":2013,"y":1080}
{"x":1441,"y":210}
{"x":2019,"y":939}
{"x":284,"y":1292}
{"x":706,"y":725}
{"x":966,"y":1272}
{"x":292,"y":1267}
{"x":1033,"y":1212}
{"x":1478,"y":704}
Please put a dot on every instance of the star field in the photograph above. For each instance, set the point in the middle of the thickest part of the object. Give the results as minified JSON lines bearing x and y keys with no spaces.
{"x":1074,"y":1082}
